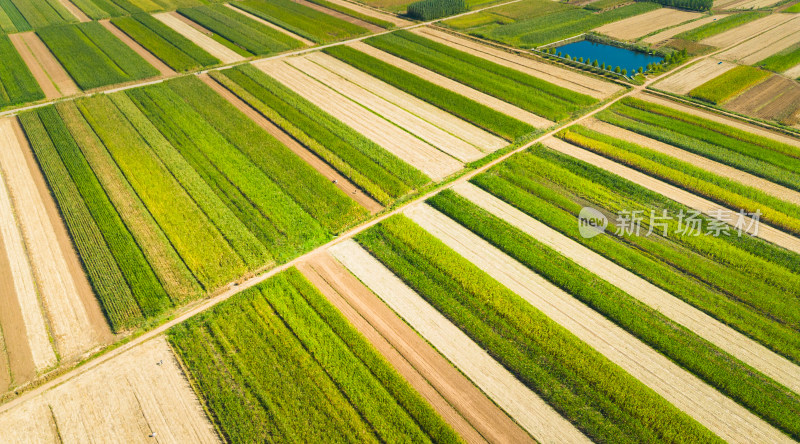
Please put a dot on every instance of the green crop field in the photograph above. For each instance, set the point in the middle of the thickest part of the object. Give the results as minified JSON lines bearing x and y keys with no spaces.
{"x":754,"y":390}
{"x":93,"y":57}
{"x":783,"y":60}
{"x":573,"y":378}
{"x":100,"y":9}
{"x":178,"y":52}
{"x":719,"y":26}
{"x":17,"y":84}
{"x":729,"y":85}
{"x":425,"y":10}
{"x":302,"y":20}
{"x":24,"y":15}
{"x":754,"y":154}
{"x":379,"y":173}
{"x":250,"y":36}
{"x":527,"y":92}
{"x":352,"y":13}
{"x":279,"y":363}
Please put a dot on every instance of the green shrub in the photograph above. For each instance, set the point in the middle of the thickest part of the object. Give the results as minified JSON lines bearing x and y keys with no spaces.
{"x":434,"y":9}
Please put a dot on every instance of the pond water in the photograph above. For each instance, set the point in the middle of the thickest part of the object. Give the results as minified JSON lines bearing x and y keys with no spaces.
{"x":610,"y":55}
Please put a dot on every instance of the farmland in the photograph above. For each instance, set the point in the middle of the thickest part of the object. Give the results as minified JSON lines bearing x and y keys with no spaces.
{"x":20,"y":16}
{"x":17,"y":84}
{"x":728,"y":85}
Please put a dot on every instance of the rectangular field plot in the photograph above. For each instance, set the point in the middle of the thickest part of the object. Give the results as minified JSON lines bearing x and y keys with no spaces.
{"x":93,"y":57}
{"x":279,"y":362}
{"x":17,"y":84}
{"x":685,"y":80}
{"x":777,"y":98}
{"x":728,"y":85}
{"x":24,"y":15}
{"x":103,"y":9}
{"x":634,"y":27}
{"x":747,"y":30}
{"x":201,"y":37}
{"x":764,"y":45}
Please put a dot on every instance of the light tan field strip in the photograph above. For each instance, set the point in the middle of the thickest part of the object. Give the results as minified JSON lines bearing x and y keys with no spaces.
{"x":318,"y":164}
{"x":672,"y":32}
{"x":747,"y":4}
{"x":370,"y":314}
{"x":327,"y":275}
{"x":143,"y":53}
{"x":16,"y":360}
{"x":679,"y":195}
{"x":49,"y":73}
{"x":5,"y":372}
{"x":685,"y":80}
{"x":530,"y":411}
{"x":74,"y":10}
{"x":29,"y":329}
{"x":718,"y":413}
{"x":466,"y":131}
{"x":397,"y":21}
{"x":717,"y":168}
{"x":434,"y":163}
{"x":442,"y":140}
{"x":793,"y":72}
{"x":640,"y":25}
{"x":746,"y":31}
{"x":738,"y":345}
{"x":211,"y":46}
{"x":267,"y":23}
{"x":763,"y":132}
{"x":766,"y":44}
{"x":141,"y":396}
{"x":71,"y":328}
{"x":442,"y":81}
{"x":347,"y":18}
{"x":550,"y":73}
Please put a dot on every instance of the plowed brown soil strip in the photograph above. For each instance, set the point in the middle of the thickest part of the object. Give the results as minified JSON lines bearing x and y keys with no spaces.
{"x":783,"y":138}
{"x":74,"y":10}
{"x":183,"y":27}
{"x":318,"y":164}
{"x":358,"y":22}
{"x":685,"y":391}
{"x":140,"y":396}
{"x":748,"y":351}
{"x":717,"y":168}
{"x":5,"y":373}
{"x":145,"y":54}
{"x":527,"y":408}
{"x":442,"y":81}
{"x":777,"y":98}
{"x":640,"y":25}
{"x":679,"y":195}
{"x":51,"y":76}
{"x":267,"y":23}
{"x":454,"y":397}
{"x":16,"y":361}
{"x":685,"y":80}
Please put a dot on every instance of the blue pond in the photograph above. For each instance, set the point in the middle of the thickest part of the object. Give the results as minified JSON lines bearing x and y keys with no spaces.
{"x":610,"y":55}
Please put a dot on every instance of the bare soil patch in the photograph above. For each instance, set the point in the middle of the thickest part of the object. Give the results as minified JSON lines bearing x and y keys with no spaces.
{"x":777,"y":98}
{"x":764,"y":45}
{"x":191,"y":32}
{"x":718,"y":413}
{"x":530,"y":411}
{"x":640,"y":25}
{"x":51,"y":76}
{"x":685,"y":80}
{"x":550,"y":73}
{"x":439,"y":80}
{"x":143,"y":53}
{"x":74,"y":10}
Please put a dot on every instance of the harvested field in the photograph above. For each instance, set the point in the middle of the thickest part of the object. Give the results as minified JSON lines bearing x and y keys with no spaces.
{"x":371,"y":12}
{"x":718,"y":413}
{"x":550,"y":73}
{"x":764,"y":45}
{"x":456,"y":399}
{"x":667,"y":34}
{"x":66,"y":296}
{"x":744,"y":4}
{"x":452,"y":85}
{"x":442,"y":140}
{"x":746,"y":31}
{"x":318,"y":164}
{"x":530,"y":411}
{"x":143,"y":53}
{"x":702,"y":205}
{"x":783,"y":138}
{"x":685,"y":80}
{"x":640,"y":25}
{"x":777,"y":98}
{"x":52,"y":78}
{"x":465,"y":131}
{"x":733,"y":342}
{"x":216,"y":49}
{"x":434,"y":163}
{"x":74,"y":10}
{"x":297,"y":37}
{"x":139,"y":396}
{"x":720,"y":169}
{"x":793,"y":72}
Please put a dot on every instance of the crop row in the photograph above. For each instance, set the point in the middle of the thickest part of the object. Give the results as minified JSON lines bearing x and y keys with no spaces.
{"x":93,"y":57}
{"x":687,"y":176}
{"x":720,"y":25}
{"x":102,"y":9}
{"x":379,"y":173}
{"x":302,"y":20}
{"x":11,"y":20}
{"x":433,"y":9}
{"x":17,"y":84}
{"x":476,"y":113}
{"x":783,"y":60}
{"x":765,"y":397}
{"x":757,"y":155}
{"x":180,"y":53}
{"x":278,"y":362}
{"x":575,"y":379}
{"x":244,"y":32}
{"x":22,"y":15}
{"x":347,"y":11}
{"x":527,"y":92}
{"x":742,"y":281}
{"x":722,"y":88}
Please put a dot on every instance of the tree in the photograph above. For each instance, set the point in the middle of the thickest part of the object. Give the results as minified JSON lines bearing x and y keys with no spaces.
{"x":595,"y":64}
{"x":580,"y":59}
{"x":617,"y":70}
{"x":640,"y":70}
{"x":624,"y":72}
